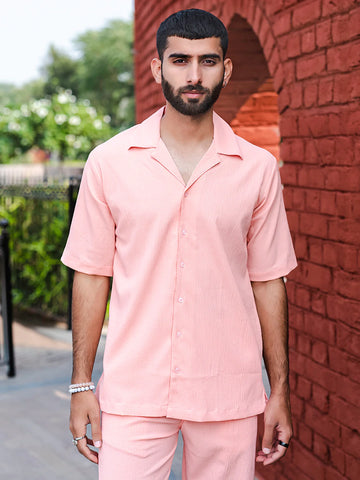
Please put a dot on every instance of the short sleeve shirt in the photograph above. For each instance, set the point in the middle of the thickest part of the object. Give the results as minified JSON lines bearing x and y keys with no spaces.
{"x":184,"y":338}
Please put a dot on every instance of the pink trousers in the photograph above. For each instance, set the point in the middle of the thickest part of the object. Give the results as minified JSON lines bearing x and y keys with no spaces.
{"x":142,"y":448}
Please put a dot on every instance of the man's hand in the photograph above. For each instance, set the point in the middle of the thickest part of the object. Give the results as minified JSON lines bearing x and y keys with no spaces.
{"x":85,"y":410}
{"x":277,"y":422}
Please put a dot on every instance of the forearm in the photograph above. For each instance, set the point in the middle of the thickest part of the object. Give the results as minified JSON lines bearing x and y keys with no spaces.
{"x":271,"y":304}
{"x":90,"y":294}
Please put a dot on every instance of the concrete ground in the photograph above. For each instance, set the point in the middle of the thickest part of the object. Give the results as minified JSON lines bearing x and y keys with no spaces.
{"x":34,"y":409}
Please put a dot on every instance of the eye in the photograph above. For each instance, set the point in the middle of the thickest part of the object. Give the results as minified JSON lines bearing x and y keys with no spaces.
{"x":209,"y":61}
{"x":179,"y":61}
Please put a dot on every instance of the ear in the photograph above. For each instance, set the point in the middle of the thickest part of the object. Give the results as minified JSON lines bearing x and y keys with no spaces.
{"x":156,"y":69}
{"x":228,"y":68}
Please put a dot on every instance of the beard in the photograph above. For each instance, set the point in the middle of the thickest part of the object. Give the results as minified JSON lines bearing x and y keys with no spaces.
{"x":194,"y":106}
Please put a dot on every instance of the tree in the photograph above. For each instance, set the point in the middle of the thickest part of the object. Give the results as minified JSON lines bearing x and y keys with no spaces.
{"x":60,"y":71}
{"x":105,"y":71}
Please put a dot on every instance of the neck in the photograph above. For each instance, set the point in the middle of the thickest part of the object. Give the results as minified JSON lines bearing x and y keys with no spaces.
{"x":194,"y":129}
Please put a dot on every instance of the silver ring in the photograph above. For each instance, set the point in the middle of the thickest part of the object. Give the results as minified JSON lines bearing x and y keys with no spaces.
{"x":77,"y":439}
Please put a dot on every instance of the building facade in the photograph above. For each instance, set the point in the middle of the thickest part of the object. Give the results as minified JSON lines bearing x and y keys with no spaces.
{"x":295,"y":90}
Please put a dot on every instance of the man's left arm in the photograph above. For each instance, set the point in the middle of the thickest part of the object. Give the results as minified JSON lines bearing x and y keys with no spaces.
{"x":271,"y":303}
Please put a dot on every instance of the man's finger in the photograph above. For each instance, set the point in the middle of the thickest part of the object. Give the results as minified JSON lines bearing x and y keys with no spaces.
{"x":83,"y":448}
{"x":268,"y":438}
{"x":96,"y":429}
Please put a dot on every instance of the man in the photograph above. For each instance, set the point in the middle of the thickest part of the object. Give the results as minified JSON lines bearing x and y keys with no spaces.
{"x":189,"y":221}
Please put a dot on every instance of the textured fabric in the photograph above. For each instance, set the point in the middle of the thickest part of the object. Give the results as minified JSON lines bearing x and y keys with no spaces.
{"x":184,"y":338}
{"x":140,"y":448}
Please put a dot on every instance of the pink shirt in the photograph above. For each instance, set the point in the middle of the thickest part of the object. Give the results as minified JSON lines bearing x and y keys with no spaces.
{"x":184,"y":337}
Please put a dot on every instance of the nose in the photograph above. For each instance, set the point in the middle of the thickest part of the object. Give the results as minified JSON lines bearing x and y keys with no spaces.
{"x":194,"y":73}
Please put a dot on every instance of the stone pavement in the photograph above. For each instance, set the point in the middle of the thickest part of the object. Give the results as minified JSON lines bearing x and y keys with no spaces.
{"x":34,"y":409}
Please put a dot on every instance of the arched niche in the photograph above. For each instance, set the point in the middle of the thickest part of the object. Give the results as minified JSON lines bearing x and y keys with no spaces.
{"x":249,"y":102}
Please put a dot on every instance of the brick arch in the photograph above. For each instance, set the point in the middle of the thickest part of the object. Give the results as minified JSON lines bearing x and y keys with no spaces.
{"x":249,"y":102}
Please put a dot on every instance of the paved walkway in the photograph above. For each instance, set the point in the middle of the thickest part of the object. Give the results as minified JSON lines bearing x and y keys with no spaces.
{"x":34,"y":409}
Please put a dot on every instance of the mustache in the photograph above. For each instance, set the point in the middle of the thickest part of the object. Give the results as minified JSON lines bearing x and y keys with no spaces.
{"x":193,"y":89}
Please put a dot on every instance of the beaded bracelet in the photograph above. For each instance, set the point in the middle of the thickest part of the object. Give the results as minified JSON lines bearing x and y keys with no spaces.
{"x":81,"y":387}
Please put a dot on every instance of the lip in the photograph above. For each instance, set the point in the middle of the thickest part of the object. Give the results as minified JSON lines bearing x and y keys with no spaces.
{"x":193,"y":94}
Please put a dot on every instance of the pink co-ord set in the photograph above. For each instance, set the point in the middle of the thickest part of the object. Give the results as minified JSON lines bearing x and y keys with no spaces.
{"x":184,"y":346}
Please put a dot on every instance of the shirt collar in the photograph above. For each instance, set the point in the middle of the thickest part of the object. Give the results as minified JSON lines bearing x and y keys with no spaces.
{"x":147,"y":134}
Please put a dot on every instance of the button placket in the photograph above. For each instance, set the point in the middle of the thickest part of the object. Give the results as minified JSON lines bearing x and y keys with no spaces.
{"x":180,"y":298}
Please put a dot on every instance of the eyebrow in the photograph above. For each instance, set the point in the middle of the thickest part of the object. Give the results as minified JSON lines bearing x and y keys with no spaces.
{"x":215,"y":56}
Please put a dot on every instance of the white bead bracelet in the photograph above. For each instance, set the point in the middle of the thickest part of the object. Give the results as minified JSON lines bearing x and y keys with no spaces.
{"x":81,"y":387}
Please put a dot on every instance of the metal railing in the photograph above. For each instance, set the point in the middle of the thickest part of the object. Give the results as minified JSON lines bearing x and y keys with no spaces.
{"x":7,"y":356}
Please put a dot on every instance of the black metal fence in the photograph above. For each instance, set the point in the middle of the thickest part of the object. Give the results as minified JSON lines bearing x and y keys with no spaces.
{"x":42,"y":194}
{"x":6,"y":347}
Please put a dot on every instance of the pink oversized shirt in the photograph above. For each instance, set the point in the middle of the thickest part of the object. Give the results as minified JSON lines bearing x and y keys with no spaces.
{"x":184,"y":337}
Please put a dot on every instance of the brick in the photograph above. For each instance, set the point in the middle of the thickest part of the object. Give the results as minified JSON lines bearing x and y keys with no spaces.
{"x":346,"y":27}
{"x":318,"y":301}
{"x":328,"y":429}
{"x":346,"y":256}
{"x":346,"y":204}
{"x":314,"y":225}
{"x":349,"y":337}
{"x":289,"y":71}
{"x":330,"y":254}
{"x":344,"y":230}
{"x":317,"y":276}
{"x":299,"y":199}
{"x":289,"y":174}
{"x":321,"y":448}
{"x":304,"y":344}
{"x":308,"y":43}
{"x":340,"y":361}
{"x":313,"y":200}
{"x":311,"y":177}
{"x":288,"y":125}
{"x":323,"y":376}
{"x":319,"y":352}
{"x":310,"y":65}
{"x":297,"y":361}
{"x":296,"y":97}
{"x":323,"y":34}
{"x":328,"y":203}
{"x":303,"y":388}
{"x":303,"y":297}
{"x":308,"y":463}
{"x":348,"y":390}
{"x":282,"y":23}
{"x":343,"y":309}
{"x":306,"y":436}
{"x":320,"y":328}
{"x":347,"y":284}
{"x":332,"y":474}
{"x":325,"y":90}
{"x":306,"y":13}
{"x":343,"y":88}
{"x":343,"y":178}
{"x":352,"y":466}
{"x":344,"y":151}
{"x":345,"y":413}
{"x":330,"y":6}
{"x":343,"y":57}
{"x":315,"y":250}
{"x":297,"y":406}
{"x":337,"y":458}
{"x":320,"y":398}
{"x":293,"y":45}
{"x":300,"y":245}
{"x":314,"y":125}
{"x":310,"y":93}
{"x":350,"y":441}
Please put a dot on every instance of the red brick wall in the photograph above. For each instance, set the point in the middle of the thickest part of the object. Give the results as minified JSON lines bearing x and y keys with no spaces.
{"x":307,"y":55}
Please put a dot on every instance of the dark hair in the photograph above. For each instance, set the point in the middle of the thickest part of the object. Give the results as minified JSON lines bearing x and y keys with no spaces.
{"x":193,"y":24}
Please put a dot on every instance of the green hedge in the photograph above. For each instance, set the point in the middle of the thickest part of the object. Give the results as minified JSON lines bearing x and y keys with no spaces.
{"x":38,"y":231}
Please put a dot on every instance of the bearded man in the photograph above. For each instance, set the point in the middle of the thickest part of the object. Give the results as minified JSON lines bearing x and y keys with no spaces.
{"x":188,"y":219}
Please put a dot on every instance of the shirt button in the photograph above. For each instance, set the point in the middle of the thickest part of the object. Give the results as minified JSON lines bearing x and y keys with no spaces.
{"x":180,"y":300}
{"x":178,"y":333}
{"x":177,"y":370}
{"x":182,"y":264}
{"x":184,"y":232}
{"x":186,"y":194}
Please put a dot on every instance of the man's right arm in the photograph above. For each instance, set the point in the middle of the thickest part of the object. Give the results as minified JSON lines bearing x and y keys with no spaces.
{"x":90,"y":294}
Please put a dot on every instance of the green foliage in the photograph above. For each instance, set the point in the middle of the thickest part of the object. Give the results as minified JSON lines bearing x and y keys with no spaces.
{"x":38,"y":231}
{"x":60,"y":124}
{"x":60,"y":71}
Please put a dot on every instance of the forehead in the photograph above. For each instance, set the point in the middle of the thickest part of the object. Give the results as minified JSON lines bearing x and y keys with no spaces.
{"x":196,"y":47}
